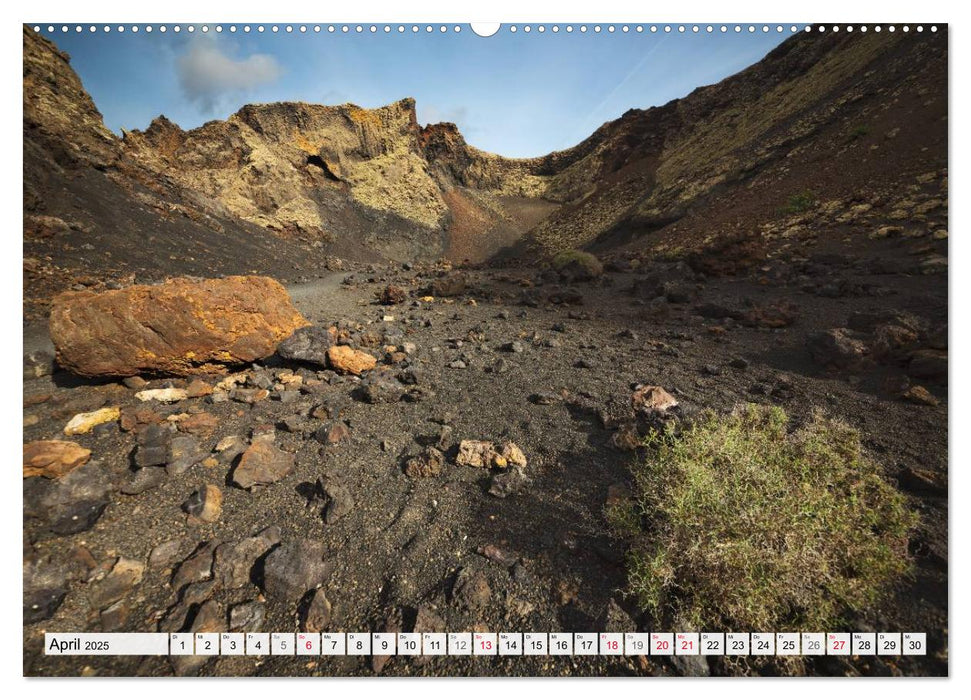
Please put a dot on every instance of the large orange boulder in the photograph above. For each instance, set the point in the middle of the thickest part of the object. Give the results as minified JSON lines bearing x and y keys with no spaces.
{"x":182,"y":326}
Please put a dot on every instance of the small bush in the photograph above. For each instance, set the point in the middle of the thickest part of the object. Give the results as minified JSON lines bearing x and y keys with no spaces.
{"x":799,"y":202}
{"x":744,"y":525}
{"x":858,"y":132}
{"x":578,"y":265}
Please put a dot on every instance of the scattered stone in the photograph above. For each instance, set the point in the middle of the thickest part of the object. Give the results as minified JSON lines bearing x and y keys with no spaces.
{"x":46,"y":582}
{"x":339,"y":501}
{"x":234,"y":563}
{"x":512,"y":455}
{"x":38,"y":364}
{"x":133,"y":418}
{"x":247,"y":617}
{"x":70,"y":504}
{"x":124,"y":576}
{"x":184,"y":452}
{"x":493,"y":553}
{"x":333,"y":434}
{"x":450,"y":285}
{"x":431,"y":462}
{"x":153,"y":445}
{"x":164,"y":554}
{"x":196,"y":567}
{"x":197,"y":389}
{"x":471,"y":590}
{"x":294,"y":568}
{"x":347,"y":360}
{"x":309,"y":344}
{"x":392,"y":295}
{"x":230,"y":447}
{"x":626,"y":439}
{"x":316,"y":616}
{"x":919,"y":395}
{"x":84,"y":422}
{"x":476,"y":453}
{"x":53,"y":458}
{"x":168,"y":395}
{"x":249,"y":395}
{"x":262,"y":464}
{"x":508,"y":483}
{"x":427,"y":620}
{"x":652,"y":400}
{"x":837,"y":348}
{"x":201,"y":424}
{"x":145,"y":479}
{"x":135,"y":383}
{"x":514,"y":347}
{"x":179,"y":327}
{"x":115,"y":617}
{"x":381,"y":387}
{"x":206,"y":504}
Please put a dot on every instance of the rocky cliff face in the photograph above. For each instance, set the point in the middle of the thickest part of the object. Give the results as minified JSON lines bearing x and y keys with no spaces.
{"x":311,"y":180}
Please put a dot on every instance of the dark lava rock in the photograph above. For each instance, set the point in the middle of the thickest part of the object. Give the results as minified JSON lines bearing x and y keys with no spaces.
{"x":471,"y":590}
{"x":70,"y":504}
{"x":247,"y":617}
{"x":235,"y":563}
{"x":294,"y":568}
{"x":123,"y":577}
{"x":46,"y":582}
{"x":165,"y":554}
{"x":184,"y":452}
{"x":837,"y":348}
{"x":196,"y":567}
{"x":144,"y":480}
{"x":508,"y":483}
{"x":340,"y":502}
{"x":153,"y":445}
{"x":380,"y":387}
{"x":317,"y":613}
{"x":308,"y":344}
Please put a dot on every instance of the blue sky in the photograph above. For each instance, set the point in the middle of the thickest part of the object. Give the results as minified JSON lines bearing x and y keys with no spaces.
{"x":515,"y":94}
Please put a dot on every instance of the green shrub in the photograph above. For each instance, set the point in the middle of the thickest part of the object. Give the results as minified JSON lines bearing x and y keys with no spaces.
{"x":741,"y":524}
{"x":578,"y":264}
{"x":858,"y":132}
{"x":799,"y":202}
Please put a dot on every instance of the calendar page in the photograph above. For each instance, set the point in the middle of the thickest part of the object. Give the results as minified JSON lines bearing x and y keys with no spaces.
{"x":429,"y":348}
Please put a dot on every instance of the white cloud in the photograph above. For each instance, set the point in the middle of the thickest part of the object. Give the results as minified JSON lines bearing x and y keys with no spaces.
{"x":206,"y":73}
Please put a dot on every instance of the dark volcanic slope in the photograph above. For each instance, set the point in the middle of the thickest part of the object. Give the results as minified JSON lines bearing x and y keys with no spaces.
{"x":826,"y":112}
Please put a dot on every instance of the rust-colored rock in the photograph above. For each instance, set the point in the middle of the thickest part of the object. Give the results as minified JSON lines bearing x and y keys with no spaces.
{"x":179,"y":327}
{"x":347,"y":360}
{"x":650,"y":400}
{"x":53,"y":458}
{"x":262,"y":464}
